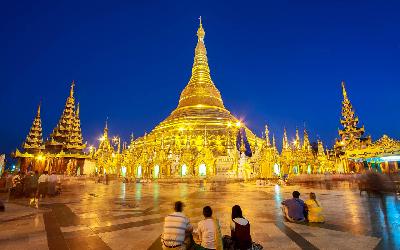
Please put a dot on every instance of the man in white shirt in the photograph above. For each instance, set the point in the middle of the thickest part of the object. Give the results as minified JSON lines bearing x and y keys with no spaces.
{"x":209,"y":230}
{"x":177,"y":229}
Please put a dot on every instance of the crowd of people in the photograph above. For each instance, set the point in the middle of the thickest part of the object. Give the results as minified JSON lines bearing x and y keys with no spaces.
{"x":30,"y":184}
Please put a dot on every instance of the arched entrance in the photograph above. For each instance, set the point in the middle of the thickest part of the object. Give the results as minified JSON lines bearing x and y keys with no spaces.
{"x":123,"y":171}
{"x":295,"y":169}
{"x":202,"y":170}
{"x":184,"y":170}
{"x":139,"y":172}
{"x":156,"y":172}
{"x":277,"y":169}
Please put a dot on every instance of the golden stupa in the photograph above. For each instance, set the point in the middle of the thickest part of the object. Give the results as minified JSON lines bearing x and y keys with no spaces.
{"x":199,"y":132}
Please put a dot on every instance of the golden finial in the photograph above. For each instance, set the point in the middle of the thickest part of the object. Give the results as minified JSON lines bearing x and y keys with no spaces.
{"x":38,"y":109}
{"x":71,"y":92}
{"x":77,"y":110}
{"x":344,"y":90}
{"x":200,"y":32}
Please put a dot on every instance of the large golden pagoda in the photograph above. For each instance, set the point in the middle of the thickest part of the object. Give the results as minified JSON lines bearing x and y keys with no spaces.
{"x":199,"y":137}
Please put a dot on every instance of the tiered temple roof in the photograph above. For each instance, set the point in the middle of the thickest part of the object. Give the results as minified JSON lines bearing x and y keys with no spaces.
{"x":67,"y":135}
{"x":34,"y":140}
{"x":351,"y":136}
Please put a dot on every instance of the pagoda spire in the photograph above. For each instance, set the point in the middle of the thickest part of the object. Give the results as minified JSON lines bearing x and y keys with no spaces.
{"x":285,"y":142}
{"x":350,"y":132}
{"x":200,"y":90}
{"x":273,"y":141}
{"x":297,"y":140}
{"x":267,"y":136}
{"x":306,"y":141}
{"x":34,"y":140}
{"x":67,"y":134}
{"x":71,"y":91}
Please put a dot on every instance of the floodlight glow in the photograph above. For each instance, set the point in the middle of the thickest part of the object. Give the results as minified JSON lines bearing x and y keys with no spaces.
{"x":391,"y":158}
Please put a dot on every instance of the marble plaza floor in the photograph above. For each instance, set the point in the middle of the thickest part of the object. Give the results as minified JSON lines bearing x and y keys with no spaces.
{"x":130,"y":216}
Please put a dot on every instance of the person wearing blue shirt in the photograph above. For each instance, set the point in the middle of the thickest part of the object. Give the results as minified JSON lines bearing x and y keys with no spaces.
{"x":294,"y":209}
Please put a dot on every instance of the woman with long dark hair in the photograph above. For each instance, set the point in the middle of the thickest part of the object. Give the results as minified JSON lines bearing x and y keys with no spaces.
{"x":240,"y":229}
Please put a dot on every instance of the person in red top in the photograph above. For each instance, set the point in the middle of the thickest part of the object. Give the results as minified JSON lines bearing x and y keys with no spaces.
{"x":240,"y":229}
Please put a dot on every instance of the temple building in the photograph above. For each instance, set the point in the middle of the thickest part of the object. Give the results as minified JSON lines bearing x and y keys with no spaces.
{"x":356,"y":152}
{"x":107,"y":159}
{"x":199,"y":138}
{"x":63,"y":151}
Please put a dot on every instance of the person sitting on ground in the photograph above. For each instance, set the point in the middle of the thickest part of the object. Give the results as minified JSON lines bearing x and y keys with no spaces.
{"x":314,"y":209}
{"x":294,"y":209}
{"x":42,"y":184}
{"x":209,"y":231}
{"x":240,"y":230}
{"x":177,"y":229}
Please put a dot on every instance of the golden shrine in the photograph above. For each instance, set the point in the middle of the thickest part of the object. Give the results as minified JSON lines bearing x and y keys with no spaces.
{"x":199,"y":138}
{"x":63,"y":152}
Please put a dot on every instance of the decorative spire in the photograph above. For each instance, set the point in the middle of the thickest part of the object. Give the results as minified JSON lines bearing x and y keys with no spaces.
{"x":350,"y":133}
{"x":273,"y":141}
{"x":344,"y":90}
{"x":267,"y":136}
{"x":200,"y":90}
{"x":34,"y":140}
{"x":200,"y":32}
{"x":297,"y":143}
{"x":71,"y":92}
{"x":306,"y":141}
{"x":285,"y":142}
{"x":67,"y":135}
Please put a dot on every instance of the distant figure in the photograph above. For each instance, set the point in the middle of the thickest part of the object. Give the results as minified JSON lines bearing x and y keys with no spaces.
{"x":42,"y":184}
{"x":240,"y":229}
{"x":177,"y":229}
{"x":52,"y":183}
{"x":314,"y":209}
{"x":209,"y":231}
{"x":294,"y":209}
{"x":106,"y":178}
{"x":34,"y":183}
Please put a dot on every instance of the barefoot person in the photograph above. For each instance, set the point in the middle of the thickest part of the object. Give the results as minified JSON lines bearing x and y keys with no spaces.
{"x":314,"y":209}
{"x":294,"y":209}
{"x":177,"y":229}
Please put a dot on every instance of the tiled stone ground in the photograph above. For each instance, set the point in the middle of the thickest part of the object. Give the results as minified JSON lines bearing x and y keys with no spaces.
{"x":130,"y":216}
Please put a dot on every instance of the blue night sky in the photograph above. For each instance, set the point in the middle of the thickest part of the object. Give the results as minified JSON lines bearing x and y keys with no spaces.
{"x":275,"y":62}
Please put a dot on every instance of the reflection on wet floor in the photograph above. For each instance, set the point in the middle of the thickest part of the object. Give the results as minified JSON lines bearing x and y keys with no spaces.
{"x":126,"y":206}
